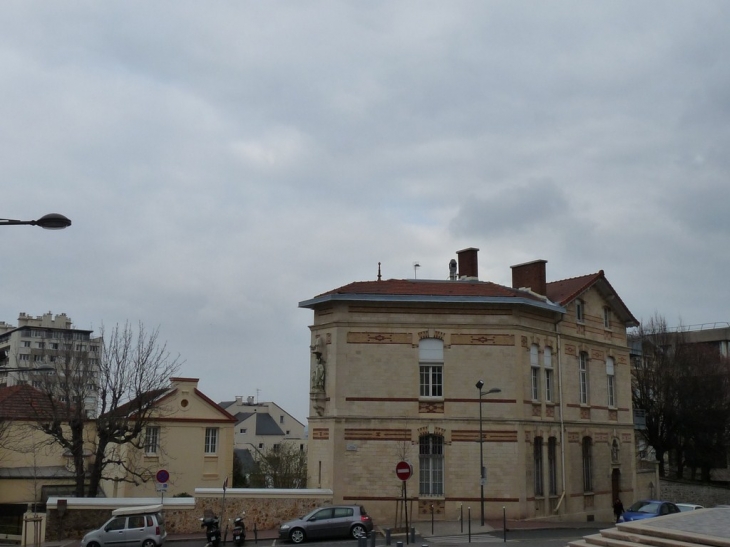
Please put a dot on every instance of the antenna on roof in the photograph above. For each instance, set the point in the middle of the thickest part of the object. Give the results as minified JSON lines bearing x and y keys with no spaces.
{"x":416,"y":265}
{"x":379,"y":271}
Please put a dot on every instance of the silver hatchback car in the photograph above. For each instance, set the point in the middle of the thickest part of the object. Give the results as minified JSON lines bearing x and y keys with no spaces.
{"x":142,"y":526}
{"x":338,"y":520}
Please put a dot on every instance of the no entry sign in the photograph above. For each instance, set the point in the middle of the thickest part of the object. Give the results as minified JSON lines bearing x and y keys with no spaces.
{"x":403,"y":470}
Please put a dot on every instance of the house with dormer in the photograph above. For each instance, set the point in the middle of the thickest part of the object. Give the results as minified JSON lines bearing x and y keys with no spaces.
{"x":514,"y":398}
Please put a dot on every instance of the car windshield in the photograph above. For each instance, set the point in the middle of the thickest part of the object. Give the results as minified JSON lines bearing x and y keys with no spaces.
{"x":645,"y":507}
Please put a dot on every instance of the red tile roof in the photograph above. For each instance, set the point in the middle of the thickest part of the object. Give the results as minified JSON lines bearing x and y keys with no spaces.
{"x":565,"y":290}
{"x":560,"y":292}
{"x":24,"y":403}
{"x":417,"y":287}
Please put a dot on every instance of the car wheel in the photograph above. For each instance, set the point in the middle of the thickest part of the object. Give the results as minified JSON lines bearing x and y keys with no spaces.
{"x":358,"y":531}
{"x":93,"y":544}
{"x":149,"y":543}
{"x":297,"y":535}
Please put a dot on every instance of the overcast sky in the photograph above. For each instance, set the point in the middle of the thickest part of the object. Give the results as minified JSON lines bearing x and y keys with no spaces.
{"x":223,"y":161}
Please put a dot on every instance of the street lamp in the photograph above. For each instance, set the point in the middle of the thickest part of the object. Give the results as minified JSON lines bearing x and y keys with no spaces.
{"x":482,"y":471}
{"x":52,"y":221}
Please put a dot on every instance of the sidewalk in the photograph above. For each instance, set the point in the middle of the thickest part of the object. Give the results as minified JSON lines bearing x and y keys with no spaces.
{"x":423,"y":529}
{"x":454,"y":527}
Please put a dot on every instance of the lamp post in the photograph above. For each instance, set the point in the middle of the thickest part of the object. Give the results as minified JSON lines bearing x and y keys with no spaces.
{"x":482,"y":473}
{"x":52,"y":221}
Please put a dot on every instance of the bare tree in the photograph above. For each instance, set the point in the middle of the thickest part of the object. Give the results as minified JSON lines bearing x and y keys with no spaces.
{"x":99,"y":405}
{"x":655,"y":385}
{"x":684,"y":388}
{"x":704,"y":409}
{"x":283,"y":465}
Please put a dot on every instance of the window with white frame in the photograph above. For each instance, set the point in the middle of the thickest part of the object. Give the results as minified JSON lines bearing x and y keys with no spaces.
{"x":431,"y":465}
{"x":431,"y":364}
{"x":579,"y":310}
{"x":152,"y":440}
{"x":548,"y":362}
{"x":583,"y":377}
{"x":611,"y":378}
{"x":211,"y":440}
{"x":607,"y":317}
{"x":535,"y":372}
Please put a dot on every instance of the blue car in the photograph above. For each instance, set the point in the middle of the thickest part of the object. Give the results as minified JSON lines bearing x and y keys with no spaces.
{"x":645,"y":509}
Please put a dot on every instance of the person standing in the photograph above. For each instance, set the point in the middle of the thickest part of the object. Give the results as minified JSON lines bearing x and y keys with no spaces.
{"x":618,"y":509}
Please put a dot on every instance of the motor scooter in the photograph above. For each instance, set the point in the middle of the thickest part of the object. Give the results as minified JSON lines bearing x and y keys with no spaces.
{"x":212,"y":531}
{"x":239,"y":531}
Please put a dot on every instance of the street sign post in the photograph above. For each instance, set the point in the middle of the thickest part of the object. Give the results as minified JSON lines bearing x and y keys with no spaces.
{"x":403,"y":471}
{"x":162,"y":477}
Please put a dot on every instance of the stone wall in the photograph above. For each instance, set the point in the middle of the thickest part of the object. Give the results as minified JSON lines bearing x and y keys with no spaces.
{"x":264,"y":509}
{"x":690,"y":492}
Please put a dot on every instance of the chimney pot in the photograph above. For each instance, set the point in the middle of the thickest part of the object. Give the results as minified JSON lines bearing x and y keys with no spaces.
{"x":468,"y":263}
{"x":530,"y":275}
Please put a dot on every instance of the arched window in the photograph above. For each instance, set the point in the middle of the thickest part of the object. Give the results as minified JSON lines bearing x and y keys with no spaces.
{"x":537,"y":458}
{"x":431,"y":463}
{"x":431,"y":363}
{"x":587,"y":464}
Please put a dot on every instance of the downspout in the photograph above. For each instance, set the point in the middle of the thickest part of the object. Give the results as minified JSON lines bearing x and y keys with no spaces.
{"x":562,"y":418}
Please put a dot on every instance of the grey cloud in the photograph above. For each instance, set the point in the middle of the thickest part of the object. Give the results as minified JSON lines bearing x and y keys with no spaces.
{"x":511,"y":210}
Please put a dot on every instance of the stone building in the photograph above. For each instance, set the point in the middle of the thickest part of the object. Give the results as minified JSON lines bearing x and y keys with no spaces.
{"x":395,"y":366}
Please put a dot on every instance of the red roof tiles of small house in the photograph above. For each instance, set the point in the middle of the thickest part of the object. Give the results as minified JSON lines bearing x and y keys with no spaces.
{"x":414,"y":287}
{"x":565,"y":290}
{"x":24,"y":402}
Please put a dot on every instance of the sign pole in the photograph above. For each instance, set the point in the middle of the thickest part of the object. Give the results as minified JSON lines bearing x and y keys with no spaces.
{"x":405,"y":504}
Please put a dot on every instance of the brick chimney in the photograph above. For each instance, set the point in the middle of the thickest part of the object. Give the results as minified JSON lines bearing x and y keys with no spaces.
{"x":468,"y":264}
{"x":530,"y":275}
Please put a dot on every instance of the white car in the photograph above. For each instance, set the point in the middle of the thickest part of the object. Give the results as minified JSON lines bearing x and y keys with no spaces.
{"x":688,"y":506}
{"x":130,"y":527}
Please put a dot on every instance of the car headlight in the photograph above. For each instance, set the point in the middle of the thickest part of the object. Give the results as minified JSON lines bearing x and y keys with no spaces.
{"x":284,"y":527}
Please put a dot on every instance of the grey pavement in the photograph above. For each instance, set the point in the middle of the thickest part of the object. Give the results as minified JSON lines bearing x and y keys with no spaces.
{"x":703,"y":526}
{"x":442,"y":528}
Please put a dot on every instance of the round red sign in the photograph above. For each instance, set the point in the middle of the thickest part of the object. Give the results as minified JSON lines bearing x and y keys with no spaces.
{"x":162,"y":475}
{"x":403,"y":470}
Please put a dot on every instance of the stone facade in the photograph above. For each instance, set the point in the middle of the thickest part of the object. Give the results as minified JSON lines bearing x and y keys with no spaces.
{"x":377,"y":340}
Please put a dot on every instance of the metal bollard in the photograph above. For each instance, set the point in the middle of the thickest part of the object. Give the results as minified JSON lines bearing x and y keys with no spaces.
{"x":372,"y":538}
{"x":468,"y":512}
{"x":398,"y":544}
{"x":387,"y":536}
{"x":413,"y":535}
{"x":255,"y":533}
{"x":362,"y":542}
